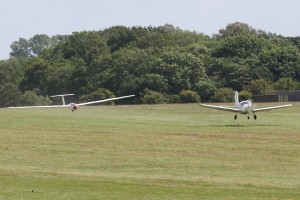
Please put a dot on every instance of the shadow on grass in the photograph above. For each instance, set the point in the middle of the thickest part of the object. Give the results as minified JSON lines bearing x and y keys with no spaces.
{"x":236,"y":125}
{"x":244,"y":125}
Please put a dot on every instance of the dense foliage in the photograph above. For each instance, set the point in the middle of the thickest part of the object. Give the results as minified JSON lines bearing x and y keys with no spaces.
{"x":158,"y":64}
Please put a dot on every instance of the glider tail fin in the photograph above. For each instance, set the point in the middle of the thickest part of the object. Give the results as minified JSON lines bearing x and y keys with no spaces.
{"x":62,"y":97}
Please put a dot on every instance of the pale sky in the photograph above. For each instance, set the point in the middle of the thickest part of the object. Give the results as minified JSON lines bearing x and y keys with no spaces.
{"x":26,"y":18}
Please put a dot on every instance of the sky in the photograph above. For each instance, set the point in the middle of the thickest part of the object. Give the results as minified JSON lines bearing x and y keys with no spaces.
{"x":26,"y":18}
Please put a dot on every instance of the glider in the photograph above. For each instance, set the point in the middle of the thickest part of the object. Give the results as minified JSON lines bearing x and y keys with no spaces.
{"x":73,"y":106}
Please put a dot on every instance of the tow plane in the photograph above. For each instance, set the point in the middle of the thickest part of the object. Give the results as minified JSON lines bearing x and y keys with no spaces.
{"x":73,"y":106}
{"x":244,"y":107}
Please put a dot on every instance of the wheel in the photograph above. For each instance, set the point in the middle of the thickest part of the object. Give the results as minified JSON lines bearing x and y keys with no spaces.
{"x":255,"y":117}
{"x":235,"y":117}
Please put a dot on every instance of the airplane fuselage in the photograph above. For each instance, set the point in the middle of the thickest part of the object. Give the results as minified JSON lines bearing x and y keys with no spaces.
{"x":73,"y":106}
{"x":245,"y":107}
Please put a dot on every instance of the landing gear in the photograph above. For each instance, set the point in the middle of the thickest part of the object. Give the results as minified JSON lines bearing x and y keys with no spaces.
{"x":255,"y":117}
{"x":235,"y":117}
{"x":248,"y":117}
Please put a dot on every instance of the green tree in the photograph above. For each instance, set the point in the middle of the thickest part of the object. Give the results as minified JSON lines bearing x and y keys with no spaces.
{"x":20,"y":49}
{"x":35,"y":77}
{"x":234,"y":29}
{"x":30,"y":98}
{"x":259,"y":87}
{"x":242,"y":46}
{"x":85,"y":45}
{"x":60,"y":77}
{"x":99,"y":94}
{"x":282,"y":58}
{"x":245,"y":95}
{"x":117,"y":37}
{"x":164,"y":59}
{"x":156,"y":82}
{"x":127,"y":68}
{"x":10,"y":95}
{"x":11,"y":71}
{"x":231,"y":73}
{"x":181,"y":70}
{"x":205,"y":89}
{"x":286,"y":83}
{"x":223,"y":95}
{"x":79,"y":77}
{"x":59,"y":38}
{"x":39,"y":42}
{"x":131,"y":85}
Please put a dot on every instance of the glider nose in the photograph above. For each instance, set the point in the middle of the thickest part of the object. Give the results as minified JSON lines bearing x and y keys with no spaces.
{"x":73,"y":106}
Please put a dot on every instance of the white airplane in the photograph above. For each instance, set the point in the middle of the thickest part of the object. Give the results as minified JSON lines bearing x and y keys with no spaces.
{"x":244,"y":107}
{"x":73,"y":106}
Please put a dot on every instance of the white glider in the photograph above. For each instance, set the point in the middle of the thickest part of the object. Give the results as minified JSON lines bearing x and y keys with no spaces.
{"x":73,"y":106}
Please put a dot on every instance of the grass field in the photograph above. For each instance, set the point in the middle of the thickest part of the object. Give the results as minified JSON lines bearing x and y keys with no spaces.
{"x":149,"y":152}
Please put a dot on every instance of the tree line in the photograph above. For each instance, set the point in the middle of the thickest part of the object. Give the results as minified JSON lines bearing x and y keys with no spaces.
{"x":162,"y":64}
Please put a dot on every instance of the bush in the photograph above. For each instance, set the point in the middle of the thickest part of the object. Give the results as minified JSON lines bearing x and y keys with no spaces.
{"x":286,"y":83}
{"x":30,"y":98}
{"x":152,"y":97}
{"x":188,"y":96}
{"x":259,"y":87}
{"x":245,"y":95}
{"x":173,"y":98}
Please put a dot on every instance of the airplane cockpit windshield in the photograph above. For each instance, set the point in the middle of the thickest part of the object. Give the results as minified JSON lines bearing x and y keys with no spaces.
{"x":243,"y":103}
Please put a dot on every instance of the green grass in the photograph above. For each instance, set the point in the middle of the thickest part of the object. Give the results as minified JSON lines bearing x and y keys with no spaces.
{"x":149,"y":152}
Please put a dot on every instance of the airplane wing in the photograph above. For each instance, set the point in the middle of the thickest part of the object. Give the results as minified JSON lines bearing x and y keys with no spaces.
{"x":231,"y":109}
{"x":104,"y":100}
{"x":52,"y":106}
{"x":271,"y":108}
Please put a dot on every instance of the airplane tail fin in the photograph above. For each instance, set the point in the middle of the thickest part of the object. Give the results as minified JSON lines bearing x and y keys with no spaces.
{"x":236,"y":98}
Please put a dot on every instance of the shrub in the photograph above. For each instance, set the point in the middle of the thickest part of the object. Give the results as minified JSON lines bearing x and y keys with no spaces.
{"x":30,"y":98}
{"x":259,"y":87}
{"x":245,"y":95}
{"x":188,"y":96}
{"x":286,"y":83}
{"x":173,"y":98}
{"x":153,"y":97}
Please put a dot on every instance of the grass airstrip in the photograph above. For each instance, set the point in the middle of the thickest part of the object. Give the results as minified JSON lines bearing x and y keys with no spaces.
{"x":178,"y":151}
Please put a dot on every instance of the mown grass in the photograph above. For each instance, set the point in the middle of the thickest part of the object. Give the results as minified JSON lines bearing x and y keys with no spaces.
{"x":149,"y":152}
